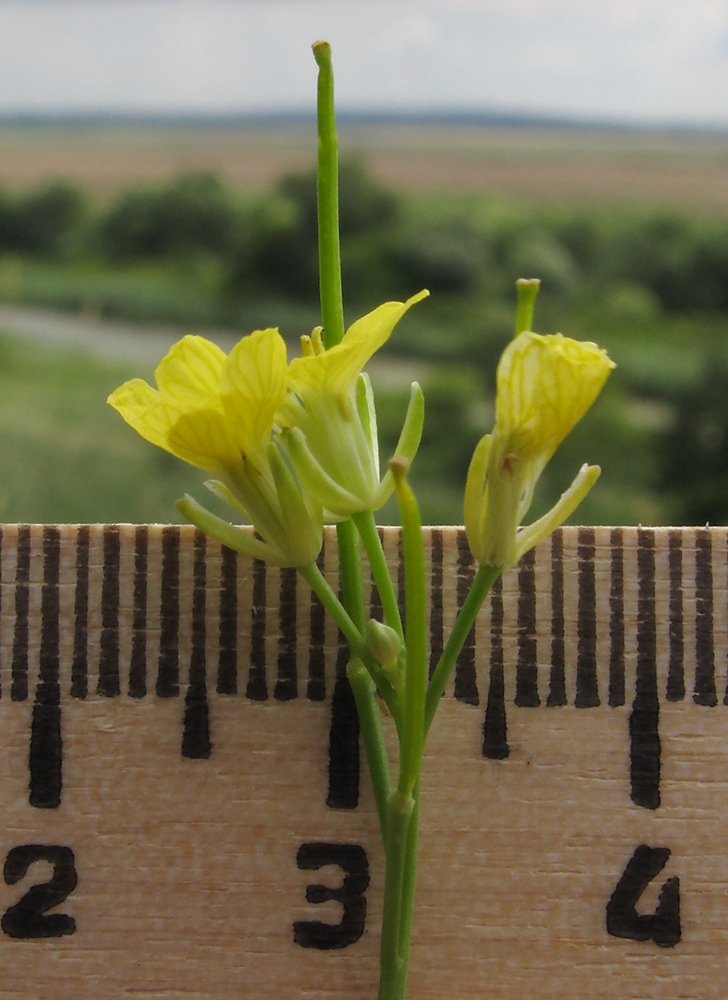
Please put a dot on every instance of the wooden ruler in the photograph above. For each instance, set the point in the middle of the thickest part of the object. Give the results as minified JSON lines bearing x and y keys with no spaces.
{"x":186,"y":815}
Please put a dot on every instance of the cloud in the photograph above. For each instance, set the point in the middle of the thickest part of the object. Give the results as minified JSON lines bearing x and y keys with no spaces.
{"x":660,"y":59}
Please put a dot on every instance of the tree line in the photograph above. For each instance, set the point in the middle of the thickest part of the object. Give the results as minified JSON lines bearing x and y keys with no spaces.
{"x":650,"y":284}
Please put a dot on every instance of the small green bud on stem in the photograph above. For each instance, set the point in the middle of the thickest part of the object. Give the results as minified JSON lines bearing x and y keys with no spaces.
{"x":382,"y":642}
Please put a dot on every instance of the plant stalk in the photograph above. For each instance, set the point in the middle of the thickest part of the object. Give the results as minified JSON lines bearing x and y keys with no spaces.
{"x":367,"y":529}
{"x":484,"y":580}
{"x":527,"y":290}
{"x":394,"y":954}
{"x":403,"y":807}
{"x":327,"y":200}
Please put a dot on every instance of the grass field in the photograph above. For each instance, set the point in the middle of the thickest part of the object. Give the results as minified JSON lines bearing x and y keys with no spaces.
{"x":678,"y":169}
{"x":66,"y":456}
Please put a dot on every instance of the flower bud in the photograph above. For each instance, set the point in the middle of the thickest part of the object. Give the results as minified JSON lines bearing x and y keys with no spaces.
{"x":383,"y":642}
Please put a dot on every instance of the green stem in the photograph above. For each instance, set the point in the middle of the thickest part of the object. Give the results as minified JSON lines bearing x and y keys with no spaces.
{"x":527,"y":290}
{"x":370,"y":720}
{"x":402,"y":814}
{"x":412,"y":735}
{"x":484,"y":580}
{"x":332,"y":308}
{"x":327,"y":187}
{"x":392,"y":958}
{"x":350,"y":578}
{"x":409,"y":879}
{"x":320,"y":586}
{"x":362,"y":686}
{"x":357,"y":642}
{"x":366,"y":527}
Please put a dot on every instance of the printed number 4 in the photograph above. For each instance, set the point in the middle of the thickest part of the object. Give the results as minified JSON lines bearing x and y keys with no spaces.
{"x":27,"y":918}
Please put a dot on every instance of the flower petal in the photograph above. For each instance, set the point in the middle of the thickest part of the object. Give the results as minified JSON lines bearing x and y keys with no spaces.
{"x":199,"y":437}
{"x":203,"y":438}
{"x":190,"y":373}
{"x":144,"y":409}
{"x":253,"y":386}
{"x":545,"y":385}
{"x":338,"y":367}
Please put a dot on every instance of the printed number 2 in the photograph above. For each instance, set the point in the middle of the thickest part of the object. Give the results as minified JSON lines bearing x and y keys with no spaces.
{"x":27,"y":919}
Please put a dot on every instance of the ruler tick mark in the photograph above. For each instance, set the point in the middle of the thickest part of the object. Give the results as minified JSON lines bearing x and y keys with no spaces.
{"x":557,"y":674}
{"x":138,"y":659}
{"x":196,"y":743}
{"x":344,"y":760}
{"x":495,"y":733}
{"x":19,"y":684}
{"x":79,"y":665}
{"x":227,"y":666}
{"x":645,"y":747}
{"x":466,"y":685}
{"x":527,"y":695}
{"x":587,"y":687}
{"x":704,"y":692}
{"x":257,"y":689}
{"x":436,"y":608}
{"x":676,"y":646}
{"x":617,"y":694}
{"x":168,"y":664}
{"x":108,"y":683}
{"x":45,"y":756}
{"x":287,"y":681}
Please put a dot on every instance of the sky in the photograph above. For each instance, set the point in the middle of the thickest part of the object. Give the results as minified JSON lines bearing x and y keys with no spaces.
{"x":643,"y":61}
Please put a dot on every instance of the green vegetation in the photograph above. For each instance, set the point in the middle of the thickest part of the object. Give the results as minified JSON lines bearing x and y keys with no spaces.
{"x":66,"y":456}
{"x":649,"y":285}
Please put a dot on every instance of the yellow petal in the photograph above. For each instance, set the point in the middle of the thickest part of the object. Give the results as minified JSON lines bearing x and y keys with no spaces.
{"x":545,"y":386}
{"x":253,"y":386}
{"x":190,"y":373}
{"x":143,"y":409}
{"x":337,"y":368}
{"x":198,"y":436}
{"x":203,"y":438}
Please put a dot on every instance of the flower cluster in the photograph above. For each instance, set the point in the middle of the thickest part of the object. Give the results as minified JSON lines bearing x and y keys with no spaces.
{"x":292,"y":445}
{"x":289,"y":444}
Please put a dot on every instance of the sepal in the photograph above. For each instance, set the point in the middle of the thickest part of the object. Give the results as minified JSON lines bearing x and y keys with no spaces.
{"x":228,"y":534}
{"x":409,"y":441}
{"x":562,"y":509}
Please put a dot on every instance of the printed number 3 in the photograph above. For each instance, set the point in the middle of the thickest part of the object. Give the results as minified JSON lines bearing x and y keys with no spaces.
{"x":27,"y":919}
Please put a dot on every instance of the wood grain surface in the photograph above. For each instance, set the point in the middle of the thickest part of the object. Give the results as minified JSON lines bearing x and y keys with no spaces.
{"x":186,"y":814}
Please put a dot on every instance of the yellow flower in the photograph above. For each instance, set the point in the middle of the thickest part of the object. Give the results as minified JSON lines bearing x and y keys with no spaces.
{"x":216,"y":411}
{"x":545,"y":385}
{"x":328,"y":420}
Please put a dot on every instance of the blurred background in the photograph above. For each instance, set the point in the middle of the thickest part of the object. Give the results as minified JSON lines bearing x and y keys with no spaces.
{"x":157,"y":178}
